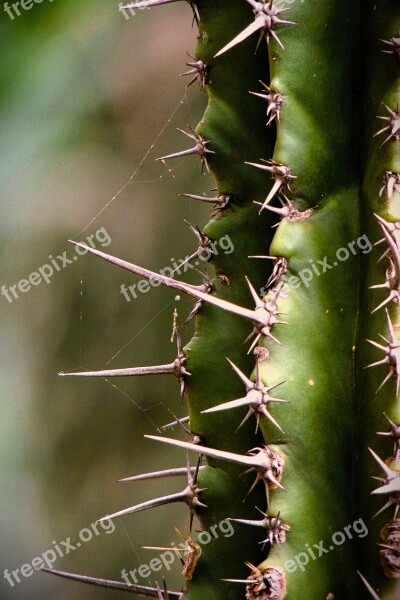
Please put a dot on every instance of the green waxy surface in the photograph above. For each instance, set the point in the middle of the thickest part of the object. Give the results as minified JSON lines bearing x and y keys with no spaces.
{"x":383,"y":87}
{"x":319,"y":420}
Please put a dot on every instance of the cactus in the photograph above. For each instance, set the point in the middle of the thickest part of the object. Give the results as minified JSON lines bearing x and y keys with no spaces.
{"x":307,"y":180}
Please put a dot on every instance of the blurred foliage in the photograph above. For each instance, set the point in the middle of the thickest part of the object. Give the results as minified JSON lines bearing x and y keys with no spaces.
{"x":88,"y":100}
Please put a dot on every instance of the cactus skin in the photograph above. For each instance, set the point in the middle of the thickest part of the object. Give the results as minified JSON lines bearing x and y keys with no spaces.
{"x":311,"y":150}
{"x":380,"y":156}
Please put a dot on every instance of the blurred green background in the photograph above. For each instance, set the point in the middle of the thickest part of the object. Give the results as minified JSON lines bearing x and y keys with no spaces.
{"x":89,"y":99}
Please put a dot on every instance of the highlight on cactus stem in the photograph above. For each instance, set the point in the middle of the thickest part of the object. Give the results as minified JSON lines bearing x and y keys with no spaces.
{"x":324,"y":328}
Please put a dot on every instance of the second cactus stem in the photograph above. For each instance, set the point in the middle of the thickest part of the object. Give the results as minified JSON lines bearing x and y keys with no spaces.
{"x":308,"y":180}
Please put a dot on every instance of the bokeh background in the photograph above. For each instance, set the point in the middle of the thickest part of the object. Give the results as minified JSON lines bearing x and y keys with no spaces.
{"x":88,"y":100}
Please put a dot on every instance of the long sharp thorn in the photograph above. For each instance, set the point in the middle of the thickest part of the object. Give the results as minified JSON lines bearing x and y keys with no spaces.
{"x":250,"y":29}
{"x":160,"y":474}
{"x":282,"y":212}
{"x":129,"y":372}
{"x":255,"y":342}
{"x":247,"y":382}
{"x":390,"y":326}
{"x":273,"y":420}
{"x":257,"y":300}
{"x":255,"y":523}
{"x":268,"y":168}
{"x":384,"y":507}
{"x":275,"y":188}
{"x":393,"y":487}
{"x":141,"y":590}
{"x":382,"y":464}
{"x":272,"y":32}
{"x":179,"y":497}
{"x":215,"y":200}
{"x":252,"y":487}
{"x":377,"y":345}
{"x":372,"y":592}
{"x":149,"y":3}
{"x":388,"y":376}
{"x":195,"y":291}
{"x":274,"y":338}
{"x":384,"y":361}
{"x":388,"y":299}
{"x":263,"y":256}
{"x":132,"y":268}
{"x":177,"y":422}
{"x":228,"y":405}
{"x":180,"y":154}
{"x":276,"y":482}
{"x":246,"y":418}
{"x":237,"y":581}
{"x":394,"y":250}
{"x":146,"y":4}
{"x":211,"y":452}
{"x":379,"y":286}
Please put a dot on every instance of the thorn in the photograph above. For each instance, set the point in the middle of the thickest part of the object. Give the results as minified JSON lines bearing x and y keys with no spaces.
{"x":176,"y":368}
{"x":116,"y":585}
{"x":200,"y":71}
{"x":149,"y":3}
{"x":190,"y":496}
{"x":203,"y":251}
{"x":160,"y":474}
{"x":257,"y":300}
{"x":177,"y":422}
{"x":236,"y":580}
{"x":247,"y":382}
{"x":287,"y":210}
{"x":372,"y":592}
{"x":275,"y":101}
{"x":395,"y":434}
{"x":129,"y":372}
{"x":278,"y":269}
{"x":263,"y":317}
{"x":391,"y":185}
{"x":394,"y":42}
{"x":282,"y":175}
{"x":392,"y":355}
{"x":257,"y":583}
{"x":257,"y":398}
{"x":275,"y":527}
{"x":393,"y":125}
{"x":146,"y":273}
{"x":267,"y":464}
{"x":220,"y":202}
{"x":388,"y":471}
{"x":266,"y":19}
{"x":391,"y":486}
{"x":200,"y":148}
